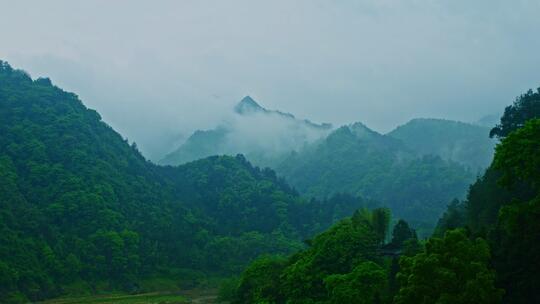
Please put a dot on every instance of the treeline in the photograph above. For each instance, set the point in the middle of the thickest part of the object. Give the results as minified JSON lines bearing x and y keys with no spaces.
{"x":484,"y":250}
{"x":81,"y":210}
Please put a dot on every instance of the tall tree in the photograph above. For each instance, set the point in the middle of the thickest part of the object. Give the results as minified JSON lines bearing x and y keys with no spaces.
{"x":452,"y":270}
{"x":380,"y":219}
{"x":401,"y":233}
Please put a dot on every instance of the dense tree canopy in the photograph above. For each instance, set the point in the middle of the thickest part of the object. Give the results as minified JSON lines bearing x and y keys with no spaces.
{"x":357,"y":160}
{"x":344,"y":264}
{"x":450,"y":270}
{"x":503,"y":205}
{"x":492,"y":259}
{"x":524,"y":108}
{"x":518,"y":157}
{"x":83,"y":210}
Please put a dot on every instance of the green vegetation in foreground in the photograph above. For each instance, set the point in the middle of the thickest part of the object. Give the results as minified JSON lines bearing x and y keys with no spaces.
{"x":148,"y":298}
{"x":485,"y":250}
{"x":345,"y":264}
{"x":82,"y":211}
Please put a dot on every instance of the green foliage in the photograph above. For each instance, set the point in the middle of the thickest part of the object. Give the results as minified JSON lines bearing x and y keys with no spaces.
{"x":81,"y":210}
{"x":79,"y":204}
{"x":450,"y":270}
{"x":515,"y":237}
{"x":518,"y":156}
{"x":524,"y":108}
{"x":401,"y":233}
{"x":485,"y":198}
{"x":380,"y":220}
{"x":260,"y":281}
{"x":361,"y":286}
{"x":335,"y":251}
{"x":339,"y":264}
{"x":161,"y":298}
{"x":454,"y":217}
{"x":503,"y":205}
{"x":516,"y":250}
{"x":227,"y":289}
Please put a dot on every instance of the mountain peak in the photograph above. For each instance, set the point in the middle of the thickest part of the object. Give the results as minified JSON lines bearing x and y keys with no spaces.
{"x":248,"y":104}
{"x":361,"y":131}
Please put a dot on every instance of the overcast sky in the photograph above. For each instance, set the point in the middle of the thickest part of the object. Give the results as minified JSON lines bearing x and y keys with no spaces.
{"x":156,"y":70}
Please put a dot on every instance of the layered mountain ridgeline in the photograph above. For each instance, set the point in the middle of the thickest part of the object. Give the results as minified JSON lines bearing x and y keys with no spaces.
{"x":264,"y":136}
{"x":81,"y":210}
{"x":415,"y":169}
{"x":360,"y":161}
{"x":485,"y":249}
{"x":460,"y":142}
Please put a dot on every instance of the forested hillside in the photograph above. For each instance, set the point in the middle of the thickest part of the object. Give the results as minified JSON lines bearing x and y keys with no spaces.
{"x":503,"y":206}
{"x":460,"y":142}
{"x":81,"y":210}
{"x":355,"y":159}
{"x":415,"y":169}
{"x":351,"y":263}
{"x":485,"y":248}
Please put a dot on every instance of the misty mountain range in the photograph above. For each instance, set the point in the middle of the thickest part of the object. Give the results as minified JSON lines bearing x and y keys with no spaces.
{"x":267,"y":137}
{"x":262,"y":135}
{"x":80,"y":203}
{"x":415,"y":169}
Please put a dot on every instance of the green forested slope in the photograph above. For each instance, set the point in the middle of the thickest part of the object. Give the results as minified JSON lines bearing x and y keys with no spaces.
{"x":81,"y":209}
{"x":460,"y":142}
{"x":485,"y":249}
{"x":357,"y":160}
{"x":503,"y":205}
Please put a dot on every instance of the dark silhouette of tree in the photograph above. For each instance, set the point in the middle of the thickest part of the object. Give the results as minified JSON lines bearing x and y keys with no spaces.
{"x":401,"y":233}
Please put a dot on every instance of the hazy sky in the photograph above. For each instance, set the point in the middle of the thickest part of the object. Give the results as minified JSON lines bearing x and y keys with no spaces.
{"x":158,"y":69}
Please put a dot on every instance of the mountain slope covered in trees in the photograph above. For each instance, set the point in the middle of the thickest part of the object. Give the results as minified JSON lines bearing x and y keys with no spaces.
{"x":355,"y":159}
{"x":415,"y":169}
{"x":485,"y":248}
{"x":503,"y":206}
{"x":81,"y":210}
{"x":460,"y":142}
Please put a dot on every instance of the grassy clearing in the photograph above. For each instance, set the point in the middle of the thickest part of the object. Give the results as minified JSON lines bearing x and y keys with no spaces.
{"x":147,"y":298}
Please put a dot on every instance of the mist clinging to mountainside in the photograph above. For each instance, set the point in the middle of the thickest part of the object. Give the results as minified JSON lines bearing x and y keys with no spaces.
{"x":265,"y":136}
{"x":158,"y":71}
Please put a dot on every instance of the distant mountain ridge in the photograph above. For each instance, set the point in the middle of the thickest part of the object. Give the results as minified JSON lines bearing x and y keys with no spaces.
{"x":415,"y":169}
{"x":248,"y":106}
{"x":261,"y":134}
{"x":357,"y":160}
{"x":464,"y":143}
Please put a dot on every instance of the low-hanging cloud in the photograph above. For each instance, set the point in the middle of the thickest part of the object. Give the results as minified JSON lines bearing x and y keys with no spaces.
{"x":269,"y":134}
